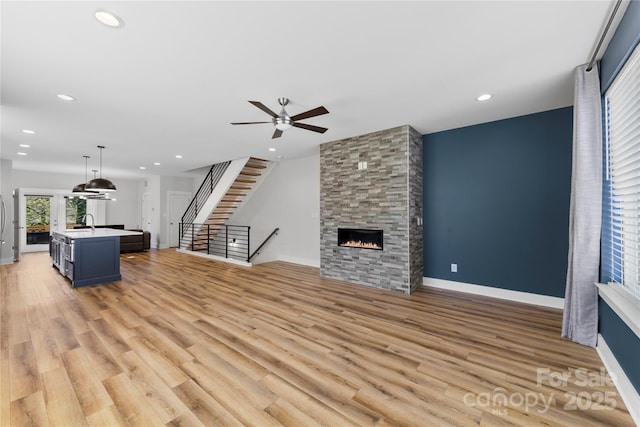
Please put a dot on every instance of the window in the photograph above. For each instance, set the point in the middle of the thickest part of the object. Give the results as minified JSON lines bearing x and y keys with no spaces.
{"x":622,"y":110}
{"x":76,"y":209}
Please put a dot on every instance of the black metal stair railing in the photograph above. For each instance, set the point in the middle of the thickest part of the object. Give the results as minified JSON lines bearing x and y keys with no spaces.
{"x":227,"y":241}
{"x":257,"y":251}
{"x":203,"y":193}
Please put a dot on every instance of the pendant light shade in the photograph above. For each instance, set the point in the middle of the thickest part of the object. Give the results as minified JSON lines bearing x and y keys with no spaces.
{"x":79,"y":188}
{"x":100,"y":184}
{"x":82,"y":188}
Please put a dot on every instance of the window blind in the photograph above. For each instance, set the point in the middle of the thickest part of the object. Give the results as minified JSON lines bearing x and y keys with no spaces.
{"x":622,"y":115}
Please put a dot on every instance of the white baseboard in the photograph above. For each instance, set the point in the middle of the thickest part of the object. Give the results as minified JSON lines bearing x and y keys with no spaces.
{"x":627,"y":391}
{"x":215,"y":257}
{"x":301,"y":261}
{"x":489,"y":291}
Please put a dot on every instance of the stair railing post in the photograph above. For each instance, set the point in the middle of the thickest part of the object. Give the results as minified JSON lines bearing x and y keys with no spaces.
{"x":208,"y":239}
{"x":248,"y":242}
{"x":226,"y":241}
{"x":192,"y":236}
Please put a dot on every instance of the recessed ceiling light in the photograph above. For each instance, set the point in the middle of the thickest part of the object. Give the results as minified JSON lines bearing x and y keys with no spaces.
{"x":66,"y":97}
{"x":28,"y":131}
{"x":24,"y":145}
{"x":142,"y":168}
{"x":21,"y":153}
{"x":178,"y":156}
{"x":272,"y":149}
{"x":156,"y":163}
{"x":108,"y":19}
{"x":484,"y":97}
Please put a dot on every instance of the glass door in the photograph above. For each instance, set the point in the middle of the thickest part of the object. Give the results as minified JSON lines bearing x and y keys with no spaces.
{"x":40,"y":221}
{"x":42,"y":214}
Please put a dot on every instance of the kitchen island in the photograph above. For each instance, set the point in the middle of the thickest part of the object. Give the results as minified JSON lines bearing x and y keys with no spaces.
{"x":86,"y":256}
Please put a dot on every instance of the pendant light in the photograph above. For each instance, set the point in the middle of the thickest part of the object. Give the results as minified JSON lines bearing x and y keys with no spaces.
{"x":81,"y":188}
{"x":100,"y":184}
{"x":97,"y":195}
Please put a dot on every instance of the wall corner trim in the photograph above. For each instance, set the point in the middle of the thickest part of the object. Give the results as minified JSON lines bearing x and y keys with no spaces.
{"x":489,"y":291}
{"x":628,"y":393}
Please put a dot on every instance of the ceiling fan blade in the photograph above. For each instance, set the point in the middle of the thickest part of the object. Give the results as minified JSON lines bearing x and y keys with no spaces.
{"x":264,"y":108}
{"x":277,"y":134}
{"x":248,"y":123}
{"x":310,"y":127}
{"x":311,"y":113}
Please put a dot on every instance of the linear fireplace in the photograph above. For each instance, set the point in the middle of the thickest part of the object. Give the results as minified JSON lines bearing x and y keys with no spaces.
{"x":360,"y":238}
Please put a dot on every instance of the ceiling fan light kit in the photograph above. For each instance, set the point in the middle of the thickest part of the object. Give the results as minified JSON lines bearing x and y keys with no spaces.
{"x":284,"y":121}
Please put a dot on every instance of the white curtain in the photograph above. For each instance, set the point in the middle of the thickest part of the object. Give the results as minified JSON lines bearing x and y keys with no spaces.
{"x":580,"y":317}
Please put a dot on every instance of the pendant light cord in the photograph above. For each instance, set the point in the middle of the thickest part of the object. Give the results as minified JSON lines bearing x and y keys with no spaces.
{"x":86,"y":158}
{"x":101,"y":147}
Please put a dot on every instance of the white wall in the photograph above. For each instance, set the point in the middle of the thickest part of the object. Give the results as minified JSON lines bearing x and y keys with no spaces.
{"x":6,"y":190}
{"x":126,"y":209}
{"x":53,"y":181}
{"x":289,"y":198}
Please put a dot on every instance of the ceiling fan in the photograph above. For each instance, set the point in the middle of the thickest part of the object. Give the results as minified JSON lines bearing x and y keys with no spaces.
{"x":284,"y":121}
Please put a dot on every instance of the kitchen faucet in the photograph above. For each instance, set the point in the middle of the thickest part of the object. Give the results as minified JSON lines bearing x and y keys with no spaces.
{"x":93,"y":220}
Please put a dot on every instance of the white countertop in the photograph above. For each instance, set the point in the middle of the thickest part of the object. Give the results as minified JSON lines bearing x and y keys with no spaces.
{"x":87,"y":233}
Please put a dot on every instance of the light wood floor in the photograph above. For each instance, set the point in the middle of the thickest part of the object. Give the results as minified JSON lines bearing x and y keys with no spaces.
{"x":183,"y":340}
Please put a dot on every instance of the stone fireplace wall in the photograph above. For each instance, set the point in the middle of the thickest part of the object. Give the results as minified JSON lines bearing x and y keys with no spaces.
{"x":386,"y":195}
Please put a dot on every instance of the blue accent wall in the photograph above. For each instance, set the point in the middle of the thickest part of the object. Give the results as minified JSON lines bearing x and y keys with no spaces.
{"x":496,"y":202}
{"x":622,"y":341}
{"x":622,"y":43}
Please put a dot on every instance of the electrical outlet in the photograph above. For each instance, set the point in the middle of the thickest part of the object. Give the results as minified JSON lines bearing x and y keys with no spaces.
{"x":454,"y":268}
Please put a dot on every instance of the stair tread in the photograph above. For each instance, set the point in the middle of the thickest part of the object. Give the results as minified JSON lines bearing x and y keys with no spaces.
{"x":255,"y":166}
{"x":234,"y":197}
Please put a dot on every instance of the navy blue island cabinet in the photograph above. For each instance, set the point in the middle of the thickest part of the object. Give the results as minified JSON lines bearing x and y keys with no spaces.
{"x":88,"y":257}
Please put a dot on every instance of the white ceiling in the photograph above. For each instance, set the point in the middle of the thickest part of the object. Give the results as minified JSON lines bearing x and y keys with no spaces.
{"x":172,"y":79}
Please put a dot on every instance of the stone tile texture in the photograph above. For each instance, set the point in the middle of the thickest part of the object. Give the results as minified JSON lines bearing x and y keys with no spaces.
{"x":385,"y":195}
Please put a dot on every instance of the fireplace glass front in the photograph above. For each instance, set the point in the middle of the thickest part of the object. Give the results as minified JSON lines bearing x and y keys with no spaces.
{"x":360,"y":238}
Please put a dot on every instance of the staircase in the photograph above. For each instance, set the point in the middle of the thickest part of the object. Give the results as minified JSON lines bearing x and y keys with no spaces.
{"x":232,"y":189}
